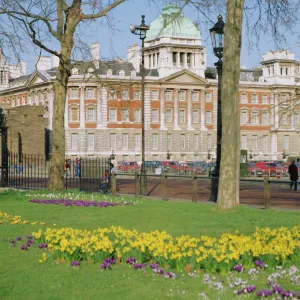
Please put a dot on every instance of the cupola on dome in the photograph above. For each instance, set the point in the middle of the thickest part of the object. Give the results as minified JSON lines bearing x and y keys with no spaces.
{"x":172,"y":23}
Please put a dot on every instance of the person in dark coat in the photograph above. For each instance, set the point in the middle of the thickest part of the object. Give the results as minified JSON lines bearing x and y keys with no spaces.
{"x":293,"y":171}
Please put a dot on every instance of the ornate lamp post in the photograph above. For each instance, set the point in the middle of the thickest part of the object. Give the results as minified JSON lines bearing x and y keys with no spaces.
{"x":141,"y":31}
{"x":217,"y":36}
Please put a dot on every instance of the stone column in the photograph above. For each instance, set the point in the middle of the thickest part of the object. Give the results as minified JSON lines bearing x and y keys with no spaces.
{"x":50,"y":107}
{"x":178,"y":59}
{"x":30,"y":100}
{"x":189,"y":111}
{"x":162,"y":110}
{"x":274,"y":146}
{"x":176,"y":127}
{"x":292,"y":113}
{"x":272,"y":108}
{"x":67,"y":114}
{"x":82,"y":108}
{"x":103,"y":93}
{"x":202,"y":110}
{"x":99,"y":108}
{"x":276,"y":111}
{"x":185,"y":60}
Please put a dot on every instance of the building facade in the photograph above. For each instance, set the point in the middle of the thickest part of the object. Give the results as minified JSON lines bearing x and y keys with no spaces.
{"x":103,"y":105}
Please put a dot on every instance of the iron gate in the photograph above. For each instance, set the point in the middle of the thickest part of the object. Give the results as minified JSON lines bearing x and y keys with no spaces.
{"x":3,"y":157}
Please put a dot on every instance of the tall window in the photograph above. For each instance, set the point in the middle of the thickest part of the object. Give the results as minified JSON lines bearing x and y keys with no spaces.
{"x":125,"y":94}
{"x":1,"y":77}
{"x":254,"y":117}
{"x":154,"y":95}
{"x":91,"y":114}
{"x":125,"y":115}
{"x":196,"y":141}
{"x":168,"y":95}
{"x":265,"y":142}
{"x":182,"y":141}
{"x":74,"y":141}
{"x":209,"y":141}
{"x":195,"y":96}
{"x":244,"y":142}
{"x":113,"y":141}
{"x":137,"y":95}
{"x":286,"y":142}
{"x":265,"y":118}
{"x":244,"y":98}
{"x":169,"y":118}
{"x":181,"y":55}
{"x":265,"y":99}
{"x":91,"y":141}
{"x":174,"y":56}
{"x":137,"y":141}
{"x":189,"y":59}
{"x":125,"y":141}
{"x":74,"y":114}
{"x":244,"y":117}
{"x":90,"y":93}
{"x":154,"y":141}
{"x":137,"y":115}
{"x":155,"y":115}
{"x":74,"y":93}
{"x":182,"y":115}
{"x":208,"y":117}
{"x":254,"y":142}
{"x":208,"y":97}
{"x":195,"y":115}
{"x":169,"y":140}
{"x":112,"y":114}
{"x":254,"y":99}
{"x":181,"y":95}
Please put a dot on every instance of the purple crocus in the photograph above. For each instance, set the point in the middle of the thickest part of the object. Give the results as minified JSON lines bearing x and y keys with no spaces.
{"x":24,"y":247}
{"x":139,"y":266}
{"x":239,"y":268}
{"x":19,"y":238}
{"x":43,"y":245}
{"x":247,"y":290}
{"x":170,"y":275}
{"x":75,"y":263}
{"x":259,"y":263}
{"x":264,"y":293}
{"x":130,"y":260}
{"x":107,"y":263}
{"x":154,"y":266}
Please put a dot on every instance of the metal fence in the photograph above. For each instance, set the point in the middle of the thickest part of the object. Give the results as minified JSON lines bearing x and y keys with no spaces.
{"x":26,"y":171}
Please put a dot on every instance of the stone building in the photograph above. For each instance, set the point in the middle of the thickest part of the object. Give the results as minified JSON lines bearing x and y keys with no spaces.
{"x":103,"y":107}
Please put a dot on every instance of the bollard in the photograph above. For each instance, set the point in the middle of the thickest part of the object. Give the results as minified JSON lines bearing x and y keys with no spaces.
{"x":194,"y":189}
{"x":137,"y":185}
{"x":113,"y":184}
{"x":165,"y":187}
{"x":267,"y":192}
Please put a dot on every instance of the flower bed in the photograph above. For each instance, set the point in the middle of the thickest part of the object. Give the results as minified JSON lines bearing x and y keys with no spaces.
{"x":70,"y":202}
{"x":6,"y":218}
{"x":274,"y":247}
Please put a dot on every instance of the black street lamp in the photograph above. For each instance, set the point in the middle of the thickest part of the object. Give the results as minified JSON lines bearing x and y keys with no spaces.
{"x":217,"y":36}
{"x":141,"y":31}
{"x":208,"y":154}
{"x":168,"y":154}
{"x":251,"y":154}
{"x":284,"y":154}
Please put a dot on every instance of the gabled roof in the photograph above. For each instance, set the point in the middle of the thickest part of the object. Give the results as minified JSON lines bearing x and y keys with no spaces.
{"x":184,"y":76}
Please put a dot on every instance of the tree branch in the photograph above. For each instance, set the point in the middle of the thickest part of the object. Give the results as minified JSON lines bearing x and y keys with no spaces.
{"x":104,"y":12}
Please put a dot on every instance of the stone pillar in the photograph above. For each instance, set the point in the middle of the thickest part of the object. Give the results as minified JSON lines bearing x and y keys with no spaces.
{"x":36,"y":98}
{"x":178,"y":59}
{"x":292,"y":110}
{"x":82,"y":108}
{"x":162,"y":110}
{"x":66,"y":114}
{"x":176,"y":127}
{"x":103,"y":93}
{"x":189,"y":111}
{"x":50,"y":107}
{"x":202,"y":111}
{"x":274,"y":146}
{"x":185,"y":60}
{"x":30,"y":100}
{"x":276,"y":111}
{"x":99,"y":108}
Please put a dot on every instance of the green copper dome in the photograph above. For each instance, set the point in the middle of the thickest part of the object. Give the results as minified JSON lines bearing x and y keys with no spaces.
{"x":172,"y":23}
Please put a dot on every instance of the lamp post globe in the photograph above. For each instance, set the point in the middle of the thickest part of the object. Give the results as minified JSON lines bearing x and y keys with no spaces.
{"x":141,"y":31}
{"x":217,"y":39}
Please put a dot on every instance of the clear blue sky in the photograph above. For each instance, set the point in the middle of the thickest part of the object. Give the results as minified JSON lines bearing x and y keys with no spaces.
{"x":114,"y":42}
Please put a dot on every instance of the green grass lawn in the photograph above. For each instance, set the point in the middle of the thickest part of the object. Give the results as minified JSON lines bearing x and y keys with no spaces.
{"x":23,"y":277}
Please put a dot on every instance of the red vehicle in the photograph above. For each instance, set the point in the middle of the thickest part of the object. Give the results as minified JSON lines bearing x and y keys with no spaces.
{"x":128,"y":166}
{"x":271,"y":169}
{"x":254,"y":171}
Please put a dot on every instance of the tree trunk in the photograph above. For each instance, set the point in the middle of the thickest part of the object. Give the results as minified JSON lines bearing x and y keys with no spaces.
{"x":228,"y":193}
{"x":56,"y":176}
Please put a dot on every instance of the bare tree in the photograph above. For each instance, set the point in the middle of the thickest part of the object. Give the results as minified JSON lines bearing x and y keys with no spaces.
{"x":44,"y":21}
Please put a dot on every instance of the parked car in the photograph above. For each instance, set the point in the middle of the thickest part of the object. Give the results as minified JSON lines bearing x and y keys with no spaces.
{"x":253,"y":170}
{"x":267,"y":168}
{"x":128,"y":166}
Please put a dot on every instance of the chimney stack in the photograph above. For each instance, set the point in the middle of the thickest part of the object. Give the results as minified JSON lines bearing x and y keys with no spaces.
{"x":95,"y":52}
{"x":43,"y":63}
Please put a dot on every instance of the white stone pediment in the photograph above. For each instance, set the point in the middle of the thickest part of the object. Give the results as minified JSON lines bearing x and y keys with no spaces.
{"x":184,"y":76}
{"x":35,"y":78}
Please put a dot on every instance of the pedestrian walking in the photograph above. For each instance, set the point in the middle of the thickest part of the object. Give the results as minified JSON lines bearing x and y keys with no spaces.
{"x":76,"y":167}
{"x":294,"y":175}
{"x":113,"y":170}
